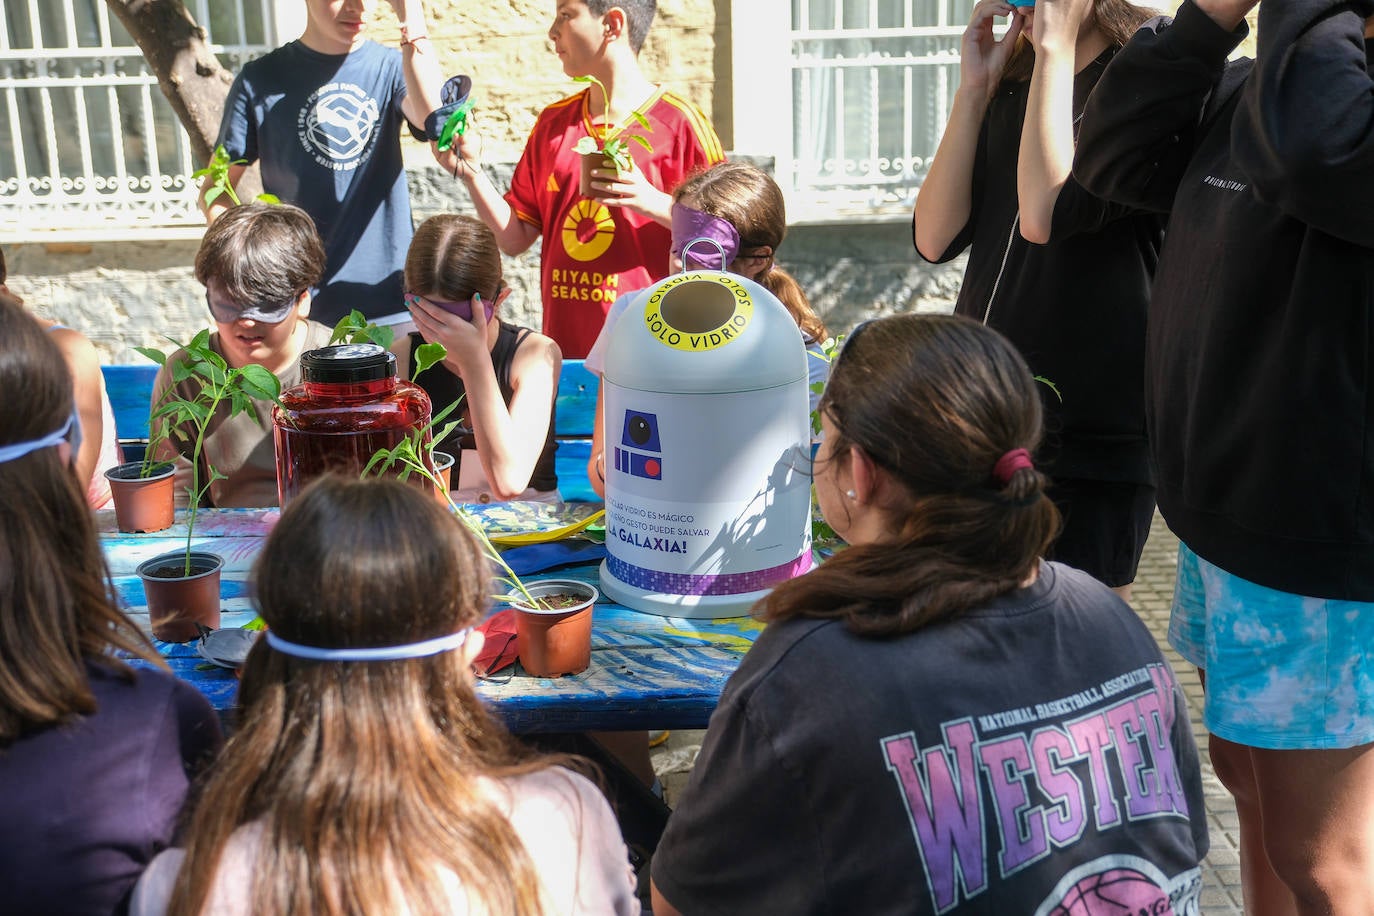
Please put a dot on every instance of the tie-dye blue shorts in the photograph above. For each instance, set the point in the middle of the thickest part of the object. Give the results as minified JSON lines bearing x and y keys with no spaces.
{"x":1283,"y":671}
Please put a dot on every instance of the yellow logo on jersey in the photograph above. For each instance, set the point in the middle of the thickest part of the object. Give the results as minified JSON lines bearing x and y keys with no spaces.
{"x":552,"y":184}
{"x":588,"y":231}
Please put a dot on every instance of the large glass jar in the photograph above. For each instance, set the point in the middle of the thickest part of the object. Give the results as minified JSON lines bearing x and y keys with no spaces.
{"x":348,"y":405}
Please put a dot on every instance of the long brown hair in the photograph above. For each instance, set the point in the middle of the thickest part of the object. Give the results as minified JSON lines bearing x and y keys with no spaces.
{"x":749,"y":199}
{"x":935,"y":401}
{"x":366,"y":778}
{"x":453,"y":256}
{"x":1117,"y":20}
{"x":58,"y":611}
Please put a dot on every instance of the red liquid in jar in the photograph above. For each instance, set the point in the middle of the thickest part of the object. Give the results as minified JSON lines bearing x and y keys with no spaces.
{"x":324,"y":426}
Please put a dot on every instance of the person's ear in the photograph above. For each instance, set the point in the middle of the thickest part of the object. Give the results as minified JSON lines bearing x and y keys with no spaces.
{"x":502,"y":295}
{"x":614,"y":23}
{"x":864,"y":475}
{"x":303,"y":304}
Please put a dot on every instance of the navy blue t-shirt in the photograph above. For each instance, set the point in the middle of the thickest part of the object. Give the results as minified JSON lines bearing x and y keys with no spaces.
{"x":327,"y":129}
{"x":86,"y":806}
{"x":1031,"y":756}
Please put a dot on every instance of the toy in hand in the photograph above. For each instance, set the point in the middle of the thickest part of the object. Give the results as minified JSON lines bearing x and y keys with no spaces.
{"x":450,"y":120}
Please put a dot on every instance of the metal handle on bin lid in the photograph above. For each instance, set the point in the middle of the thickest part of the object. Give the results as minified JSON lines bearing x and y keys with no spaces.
{"x":688,"y":247}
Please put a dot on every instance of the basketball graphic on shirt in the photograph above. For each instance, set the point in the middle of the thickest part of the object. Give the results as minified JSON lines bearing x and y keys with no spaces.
{"x":1118,"y":892}
{"x":588,"y":230}
{"x":337,"y":125}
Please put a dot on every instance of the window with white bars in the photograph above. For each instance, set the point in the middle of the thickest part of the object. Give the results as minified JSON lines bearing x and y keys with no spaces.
{"x":865,"y":86}
{"x":89,"y":147}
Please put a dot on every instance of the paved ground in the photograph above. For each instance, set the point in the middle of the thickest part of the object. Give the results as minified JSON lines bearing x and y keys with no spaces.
{"x":1154,"y":590}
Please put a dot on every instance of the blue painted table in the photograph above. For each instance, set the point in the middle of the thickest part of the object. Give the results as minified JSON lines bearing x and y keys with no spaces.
{"x":647,"y":672}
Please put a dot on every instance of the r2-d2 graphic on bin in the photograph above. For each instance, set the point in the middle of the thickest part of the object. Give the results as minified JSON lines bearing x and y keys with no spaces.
{"x":707,"y":434}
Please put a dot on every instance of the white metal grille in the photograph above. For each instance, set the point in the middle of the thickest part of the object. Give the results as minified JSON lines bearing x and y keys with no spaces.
{"x":872,"y":85}
{"x":89,"y":146}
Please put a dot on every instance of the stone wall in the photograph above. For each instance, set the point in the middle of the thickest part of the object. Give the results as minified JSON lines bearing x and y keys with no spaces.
{"x":127,"y":294}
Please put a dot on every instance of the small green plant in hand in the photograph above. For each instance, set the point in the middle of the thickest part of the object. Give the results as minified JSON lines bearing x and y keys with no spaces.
{"x":613,"y":143}
{"x":220,"y":185}
{"x":186,"y":420}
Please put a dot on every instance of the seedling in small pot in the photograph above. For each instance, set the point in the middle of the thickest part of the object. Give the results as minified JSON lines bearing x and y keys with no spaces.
{"x":186,"y":420}
{"x":612,"y":143}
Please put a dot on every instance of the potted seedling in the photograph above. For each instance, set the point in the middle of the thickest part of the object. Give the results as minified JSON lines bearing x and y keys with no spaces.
{"x":142,"y":490}
{"x":608,"y":146}
{"x":182,"y":587}
{"x":553,"y":617}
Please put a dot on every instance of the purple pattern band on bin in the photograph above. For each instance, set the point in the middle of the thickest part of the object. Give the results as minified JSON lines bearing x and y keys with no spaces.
{"x":668,"y":583}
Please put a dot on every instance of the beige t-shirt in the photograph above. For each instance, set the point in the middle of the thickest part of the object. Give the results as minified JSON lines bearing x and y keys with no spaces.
{"x":240,"y":447}
{"x":562,"y":819}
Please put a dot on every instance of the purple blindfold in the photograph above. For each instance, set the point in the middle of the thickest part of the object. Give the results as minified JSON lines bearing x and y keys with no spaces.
{"x":690,"y":225}
{"x":462,"y":309}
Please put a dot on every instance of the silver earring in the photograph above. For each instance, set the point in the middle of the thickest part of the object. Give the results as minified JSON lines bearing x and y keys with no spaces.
{"x":851,"y":494}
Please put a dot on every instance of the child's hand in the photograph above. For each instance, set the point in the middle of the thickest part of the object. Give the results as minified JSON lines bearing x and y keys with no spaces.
{"x":464,"y":158}
{"x":981,"y":56}
{"x":464,"y":339}
{"x":631,"y":189}
{"x":1052,"y":26}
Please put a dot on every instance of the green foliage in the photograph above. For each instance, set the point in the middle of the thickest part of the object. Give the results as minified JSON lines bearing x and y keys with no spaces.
{"x":220,"y":185}
{"x":188,"y":418}
{"x":354,"y":328}
{"x":1051,"y":386}
{"x":613,"y":142}
{"x":406,"y":458}
{"x":218,"y":173}
{"x":830,"y":348}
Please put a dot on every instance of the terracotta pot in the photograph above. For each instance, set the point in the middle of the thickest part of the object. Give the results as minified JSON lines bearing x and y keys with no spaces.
{"x":593,"y":161}
{"x":559,"y":641}
{"x":142,"y":503}
{"x":177,"y":602}
{"x":443,"y":466}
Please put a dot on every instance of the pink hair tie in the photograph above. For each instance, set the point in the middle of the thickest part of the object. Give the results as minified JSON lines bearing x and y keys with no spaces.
{"x":1010,"y":463}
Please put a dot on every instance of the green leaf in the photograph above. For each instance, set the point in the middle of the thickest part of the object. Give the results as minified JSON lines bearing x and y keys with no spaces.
{"x":1051,"y":386}
{"x":261,"y":379}
{"x":427,"y":355}
{"x":269,"y":198}
{"x":156,"y":356}
{"x":381,"y":336}
{"x":198,"y":411}
{"x":240,"y":402}
{"x":642,"y":141}
{"x":644,"y":123}
{"x":212,"y":194}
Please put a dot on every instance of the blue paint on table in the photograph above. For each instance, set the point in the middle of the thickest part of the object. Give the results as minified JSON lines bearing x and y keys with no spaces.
{"x":646,"y":671}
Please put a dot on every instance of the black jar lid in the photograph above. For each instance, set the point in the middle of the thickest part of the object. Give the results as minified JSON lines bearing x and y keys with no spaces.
{"x":348,"y":363}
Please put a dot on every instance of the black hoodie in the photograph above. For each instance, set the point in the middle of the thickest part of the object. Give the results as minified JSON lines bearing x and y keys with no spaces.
{"x":1260,"y":375}
{"x":1074,"y":307}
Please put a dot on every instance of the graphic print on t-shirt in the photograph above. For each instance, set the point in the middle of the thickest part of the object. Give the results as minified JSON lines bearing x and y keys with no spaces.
{"x":1119,"y":885}
{"x":1048,"y":777}
{"x":588,"y":231}
{"x":337,"y":125}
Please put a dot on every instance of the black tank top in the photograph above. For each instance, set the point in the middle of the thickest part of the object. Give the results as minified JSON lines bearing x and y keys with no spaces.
{"x":444,"y":387}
